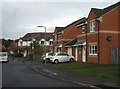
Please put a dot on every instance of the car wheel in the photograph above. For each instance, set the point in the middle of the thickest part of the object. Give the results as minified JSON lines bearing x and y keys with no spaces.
{"x":56,"y":61}
{"x":71,"y":59}
{"x":48,"y":60}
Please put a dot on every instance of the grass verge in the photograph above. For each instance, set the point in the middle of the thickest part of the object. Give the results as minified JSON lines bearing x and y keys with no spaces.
{"x":110,"y":71}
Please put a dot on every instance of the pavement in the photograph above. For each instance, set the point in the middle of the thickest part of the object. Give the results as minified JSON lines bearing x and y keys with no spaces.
{"x":85,"y":81}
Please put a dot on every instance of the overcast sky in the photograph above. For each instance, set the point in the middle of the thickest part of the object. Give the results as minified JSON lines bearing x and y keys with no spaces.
{"x":19,"y":17}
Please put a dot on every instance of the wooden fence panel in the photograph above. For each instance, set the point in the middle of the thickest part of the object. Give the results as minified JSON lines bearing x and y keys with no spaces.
{"x":115,"y":55}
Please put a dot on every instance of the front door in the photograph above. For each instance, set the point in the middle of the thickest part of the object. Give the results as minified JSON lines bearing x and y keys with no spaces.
{"x":76,"y":54}
{"x":70,"y":51}
{"x":84,"y":54}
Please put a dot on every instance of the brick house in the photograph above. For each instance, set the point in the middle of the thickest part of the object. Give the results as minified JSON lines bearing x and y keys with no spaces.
{"x":94,"y":38}
{"x":74,"y":45}
{"x":24,"y":42}
{"x":62,"y":38}
{"x":103,"y":30}
{"x":57,"y":40}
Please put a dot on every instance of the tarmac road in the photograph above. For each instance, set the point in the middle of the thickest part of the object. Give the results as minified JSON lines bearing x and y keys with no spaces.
{"x":16,"y":74}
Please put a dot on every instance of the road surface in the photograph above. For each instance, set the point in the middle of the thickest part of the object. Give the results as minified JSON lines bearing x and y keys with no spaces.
{"x":16,"y":74}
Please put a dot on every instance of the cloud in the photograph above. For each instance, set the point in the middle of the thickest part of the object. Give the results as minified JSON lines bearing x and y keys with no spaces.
{"x":60,"y":0}
{"x":19,"y":18}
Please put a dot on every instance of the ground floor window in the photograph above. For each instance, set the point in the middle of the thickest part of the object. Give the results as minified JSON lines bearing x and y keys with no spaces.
{"x":93,"y":49}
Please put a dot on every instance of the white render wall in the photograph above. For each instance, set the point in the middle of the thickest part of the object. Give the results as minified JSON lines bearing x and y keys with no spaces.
{"x":27,"y":43}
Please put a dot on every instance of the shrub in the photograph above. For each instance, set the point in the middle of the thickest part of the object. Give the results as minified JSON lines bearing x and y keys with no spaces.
{"x":18,"y":54}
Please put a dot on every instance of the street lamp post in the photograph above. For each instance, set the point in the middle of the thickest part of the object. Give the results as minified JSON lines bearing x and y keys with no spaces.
{"x":45,"y":38}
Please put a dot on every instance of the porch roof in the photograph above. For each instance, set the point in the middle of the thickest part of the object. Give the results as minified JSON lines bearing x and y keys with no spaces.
{"x":80,"y":42}
{"x":59,"y":46}
{"x":76,"y":42}
{"x":71,"y":43}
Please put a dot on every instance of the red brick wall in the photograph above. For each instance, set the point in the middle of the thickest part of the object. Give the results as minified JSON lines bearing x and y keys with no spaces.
{"x":105,"y":47}
{"x":72,"y":31}
{"x":109,"y":23}
{"x":90,"y":17}
{"x":110,"y":20}
{"x":92,"y":37}
{"x":119,"y":24}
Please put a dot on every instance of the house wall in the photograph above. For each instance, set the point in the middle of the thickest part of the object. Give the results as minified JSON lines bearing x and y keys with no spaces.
{"x":111,"y":27}
{"x":92,"y":38}
{"x":27,"y":43}
{"x":24,"y":43}
{"x":110,"y":20}
{"x":108,"y":26}
{"x":106,"y":46}
{"x":82,"y":36}
{"x":119,"y":24}
{"x":72,"y":31}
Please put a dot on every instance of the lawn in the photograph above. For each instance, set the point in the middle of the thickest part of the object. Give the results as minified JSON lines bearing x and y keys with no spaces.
{"x":109,"y":71}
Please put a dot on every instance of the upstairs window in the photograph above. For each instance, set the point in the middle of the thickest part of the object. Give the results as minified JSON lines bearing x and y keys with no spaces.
{"x":92,"y":26}
{"x":83,"y":29}
{"x":42,"y":42}
{"x":51,"y":42}
{"x":21,"y":43}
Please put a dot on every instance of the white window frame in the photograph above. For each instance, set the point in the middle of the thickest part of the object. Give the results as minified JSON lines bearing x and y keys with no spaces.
{"x":93,"y":49}
{"x":51,"y":42}
{"x":42,"y":42}
{"x":92,"y":26}
{"x":21,"y":43}
{"x":83,"y":29}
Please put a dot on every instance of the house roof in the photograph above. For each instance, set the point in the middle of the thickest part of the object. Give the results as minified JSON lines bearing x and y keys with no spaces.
{"x":77,"y":22}
{"x":59,"y":29}
{"x":37,"y":36}
{"x":97,"y":11}
{"x":100,"y":12}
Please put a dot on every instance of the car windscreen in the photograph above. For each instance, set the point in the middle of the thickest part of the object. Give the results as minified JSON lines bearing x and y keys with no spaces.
{"x":51,"y":54}
{"x":3,"y":54}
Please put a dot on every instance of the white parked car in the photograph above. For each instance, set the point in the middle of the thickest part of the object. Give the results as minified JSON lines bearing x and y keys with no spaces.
{"x":61,"y":57}
{"x":46,"y":56}
{"x":3,"y":57}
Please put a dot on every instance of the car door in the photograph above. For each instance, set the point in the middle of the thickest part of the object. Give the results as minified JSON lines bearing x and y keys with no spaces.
{"x":59,"y":57}
{"x":65,"y":57}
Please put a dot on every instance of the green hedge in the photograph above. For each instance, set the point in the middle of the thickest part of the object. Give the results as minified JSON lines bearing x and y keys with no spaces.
{"x":18,"y":55}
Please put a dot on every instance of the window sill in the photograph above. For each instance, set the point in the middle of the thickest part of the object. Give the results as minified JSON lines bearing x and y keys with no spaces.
{"x":92,"y":54}
{"x":92,"y":31}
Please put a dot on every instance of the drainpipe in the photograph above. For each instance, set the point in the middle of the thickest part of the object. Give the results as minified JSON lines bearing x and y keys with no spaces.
{"x":97,"y":19}
{"x":53,"y":42}
{"x":57,"y":42}
{"x":86,"y":39}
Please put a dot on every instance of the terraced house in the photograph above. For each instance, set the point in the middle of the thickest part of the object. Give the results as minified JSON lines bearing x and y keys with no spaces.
{"x":95,"y":38}
{"x":24,"y":42}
